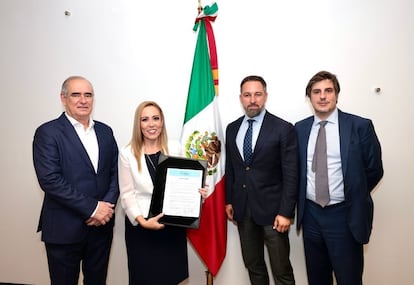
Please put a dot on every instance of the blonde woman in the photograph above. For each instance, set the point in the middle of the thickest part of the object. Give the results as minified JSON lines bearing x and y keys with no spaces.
{"x":157,"y":254}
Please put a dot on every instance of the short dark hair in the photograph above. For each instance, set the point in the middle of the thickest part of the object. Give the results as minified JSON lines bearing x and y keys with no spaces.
{"x":253,"y":78}
{"x":322,"y":75}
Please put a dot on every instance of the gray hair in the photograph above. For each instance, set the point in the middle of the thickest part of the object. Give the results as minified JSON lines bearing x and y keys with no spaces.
{"x":65,"y":84}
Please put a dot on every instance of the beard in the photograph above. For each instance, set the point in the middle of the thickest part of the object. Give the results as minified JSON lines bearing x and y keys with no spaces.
{"x":253,"y":112}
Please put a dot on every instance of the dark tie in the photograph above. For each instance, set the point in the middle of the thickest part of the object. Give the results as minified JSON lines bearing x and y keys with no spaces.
{"x":320,"y":167}
{"x":247,"y":144}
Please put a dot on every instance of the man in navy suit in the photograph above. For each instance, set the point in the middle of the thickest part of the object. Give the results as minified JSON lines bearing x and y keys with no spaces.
{"x":75,"y":159}
{"x":261,"y":191}
{"x":334,"y":234}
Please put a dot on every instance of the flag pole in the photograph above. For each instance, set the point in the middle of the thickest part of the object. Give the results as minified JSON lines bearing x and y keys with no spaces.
{"x":209,"y":278}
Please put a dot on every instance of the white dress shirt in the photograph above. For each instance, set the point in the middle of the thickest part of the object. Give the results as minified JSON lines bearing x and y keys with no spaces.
{"x":335,"y":176}
{"x":257,"y":124}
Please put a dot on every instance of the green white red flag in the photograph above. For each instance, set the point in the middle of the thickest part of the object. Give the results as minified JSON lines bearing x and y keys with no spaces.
{"x":202,"y":138}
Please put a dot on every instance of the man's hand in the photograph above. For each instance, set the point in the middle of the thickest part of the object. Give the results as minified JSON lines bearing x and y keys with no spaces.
{"x":281,"y":224}
{"x":103,"y":214}
{"x":230,"y":212}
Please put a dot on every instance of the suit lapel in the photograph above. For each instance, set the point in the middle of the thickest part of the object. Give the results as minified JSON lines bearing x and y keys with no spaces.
{"x":233,"y":135}
{"x":71,"y":136}
{"x":101,"y":141}
{"x":261,"y":137}
{"x":345,"y":130}
{"x":304,"y":137}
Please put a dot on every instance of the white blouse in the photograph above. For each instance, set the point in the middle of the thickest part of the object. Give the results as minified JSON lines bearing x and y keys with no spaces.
{"x":136,"y":187}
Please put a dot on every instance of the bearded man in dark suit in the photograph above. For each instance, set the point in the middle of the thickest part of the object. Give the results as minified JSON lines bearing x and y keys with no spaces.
{"x":261,"y":184}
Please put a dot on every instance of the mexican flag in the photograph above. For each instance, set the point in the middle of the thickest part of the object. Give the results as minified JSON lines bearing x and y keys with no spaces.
{"x":202,"y":138}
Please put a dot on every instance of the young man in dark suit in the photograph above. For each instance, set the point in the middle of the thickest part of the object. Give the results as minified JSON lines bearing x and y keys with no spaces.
{"x":75,"y":159}
{"x":334,"y":231}
{"x":261,"y":184}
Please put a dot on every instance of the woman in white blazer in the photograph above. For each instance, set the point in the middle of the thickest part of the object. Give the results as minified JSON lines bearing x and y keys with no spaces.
{"x":157,"y":254}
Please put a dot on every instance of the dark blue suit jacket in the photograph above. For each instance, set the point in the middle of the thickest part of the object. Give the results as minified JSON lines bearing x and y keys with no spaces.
{"x":67,"y":177}
{"x":361,"y":168}
{"x":269,"y":186}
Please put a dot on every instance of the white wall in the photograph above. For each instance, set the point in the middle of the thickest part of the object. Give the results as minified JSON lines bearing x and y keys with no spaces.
{"x":137,"y":50}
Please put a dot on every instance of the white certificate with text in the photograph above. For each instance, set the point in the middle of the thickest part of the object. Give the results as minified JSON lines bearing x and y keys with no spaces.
{"x":181,"y":196}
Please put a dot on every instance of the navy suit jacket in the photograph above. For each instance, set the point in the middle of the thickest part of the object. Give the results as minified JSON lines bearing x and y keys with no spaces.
{"x":361,"y":168}
{"x":67,"y":177}
{"x":269,"y":185}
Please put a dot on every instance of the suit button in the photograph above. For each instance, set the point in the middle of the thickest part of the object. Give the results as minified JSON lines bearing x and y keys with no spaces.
{"x":244,"y":186}
{"x":247,"y":168}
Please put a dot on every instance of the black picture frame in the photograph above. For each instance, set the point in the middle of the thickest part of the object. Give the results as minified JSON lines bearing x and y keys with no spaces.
{"x":157,"y":201}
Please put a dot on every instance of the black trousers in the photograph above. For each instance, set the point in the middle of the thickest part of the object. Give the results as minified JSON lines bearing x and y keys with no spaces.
{"x":93,"y":253}
{"x":253,"y":238}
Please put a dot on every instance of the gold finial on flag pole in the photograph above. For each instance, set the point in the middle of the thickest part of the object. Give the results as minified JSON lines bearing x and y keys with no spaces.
{"x":200,"y":7}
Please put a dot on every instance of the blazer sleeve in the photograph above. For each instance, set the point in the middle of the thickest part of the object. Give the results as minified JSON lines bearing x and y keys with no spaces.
{"x":372,"y":156}
{"x":229,"y":164}
{"x":290,"y":169}
{"x":108,"y":173}
{"x":135,"y":187}
{"x":127,"y":187}
{"x":49,"y":151}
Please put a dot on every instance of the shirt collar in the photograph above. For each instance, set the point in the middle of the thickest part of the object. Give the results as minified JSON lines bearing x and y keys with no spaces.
{"x":333,"y":118}
{"x":258,"y":118}
{"x":76,"y":123}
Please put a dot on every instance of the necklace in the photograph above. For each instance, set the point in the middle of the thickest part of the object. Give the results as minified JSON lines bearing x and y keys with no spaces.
{"x":150,"y":160}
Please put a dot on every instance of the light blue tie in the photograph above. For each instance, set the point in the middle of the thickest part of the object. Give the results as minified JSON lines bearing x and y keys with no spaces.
{"x":247,"y":144}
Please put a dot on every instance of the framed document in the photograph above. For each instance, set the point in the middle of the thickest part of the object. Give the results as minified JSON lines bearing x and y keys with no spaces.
{"x":175,"y":194}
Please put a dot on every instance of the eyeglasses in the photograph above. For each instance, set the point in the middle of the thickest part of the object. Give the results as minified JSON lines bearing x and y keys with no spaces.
{"x":78,"y":95}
